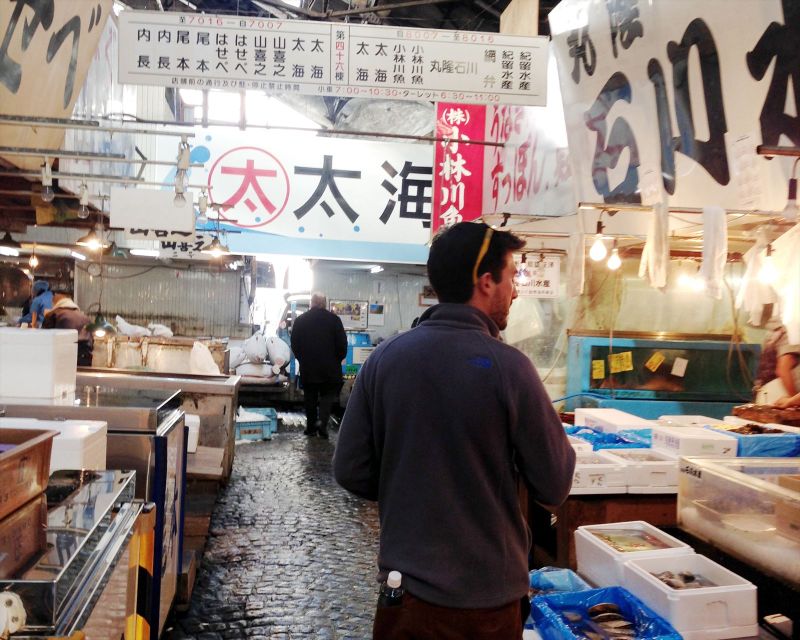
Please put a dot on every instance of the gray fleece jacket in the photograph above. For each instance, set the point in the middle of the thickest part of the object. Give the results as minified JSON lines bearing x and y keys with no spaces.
{"x":441,"y":422}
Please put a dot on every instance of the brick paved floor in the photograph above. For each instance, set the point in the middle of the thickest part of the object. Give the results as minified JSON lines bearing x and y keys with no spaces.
{"x":291,"y":554}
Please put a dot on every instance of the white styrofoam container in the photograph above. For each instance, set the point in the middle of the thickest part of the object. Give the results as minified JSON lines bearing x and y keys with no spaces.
{"x":80,"y":444}
{"x":727,"y":610}
{"x":648,"y":476}
{"x":694,"y":441}
{"x":603,"y":565}
{"x":687,"y":421}
{"x":193,"y":422}
{"x":597,"y":473}
{"x":579,"y":444}
{"x":38,"y":363}
{"x":610,"y":420}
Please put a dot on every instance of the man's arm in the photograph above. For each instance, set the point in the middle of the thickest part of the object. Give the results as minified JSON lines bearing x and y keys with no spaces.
{"x":545,"y":457}
{"x":355,"y":460}
{"x":341,"y":340}
{"x":49,"y":321}
{"x":783,"y":369}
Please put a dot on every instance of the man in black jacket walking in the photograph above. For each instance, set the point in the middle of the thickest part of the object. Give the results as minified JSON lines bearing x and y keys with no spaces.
{"x":320,"y":344}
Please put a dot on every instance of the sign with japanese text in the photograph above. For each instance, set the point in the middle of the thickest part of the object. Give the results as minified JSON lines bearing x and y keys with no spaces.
{"x":352,"y":313}
{"x":542,"y":277}
{"x":679,"y":94}
{"x":530,"y":174}
{"x":181,"y":247}
{"x":314,"y":188}
{"x":331,"y":58}
{"x":45,"y":51}
{"x":458,"y":177}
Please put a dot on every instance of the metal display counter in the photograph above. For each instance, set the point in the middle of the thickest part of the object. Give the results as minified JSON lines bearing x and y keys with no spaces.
{"x":84,"y":576}
{"x":214,"y":398}
{"x":146,"y":433}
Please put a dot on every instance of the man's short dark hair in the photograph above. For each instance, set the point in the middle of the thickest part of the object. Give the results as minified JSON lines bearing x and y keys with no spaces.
{"x":454,"y":252}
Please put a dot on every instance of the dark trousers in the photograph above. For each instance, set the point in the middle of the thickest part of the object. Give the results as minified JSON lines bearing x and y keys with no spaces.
{"x":318,"y":398}
{"x":416,"y":619}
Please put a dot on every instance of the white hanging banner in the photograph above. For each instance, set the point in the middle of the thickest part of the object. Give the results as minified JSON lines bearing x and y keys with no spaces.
{"x":313,"y":188}
{"x":331,"y":58}
{"x":679,"y":91}
{"x":150,"y":209}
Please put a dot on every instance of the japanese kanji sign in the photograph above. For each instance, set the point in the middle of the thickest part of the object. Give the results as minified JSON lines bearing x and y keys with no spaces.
{"x":458,"y":177}
{"x":45,"y":51}
{"x":320,"y":189}
{"x":678,"y":95}
{"x":338,"y":59}
{"x":542,"y":277}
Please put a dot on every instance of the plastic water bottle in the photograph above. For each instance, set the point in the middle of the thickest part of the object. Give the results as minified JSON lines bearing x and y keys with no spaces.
{"x":391,"y":594}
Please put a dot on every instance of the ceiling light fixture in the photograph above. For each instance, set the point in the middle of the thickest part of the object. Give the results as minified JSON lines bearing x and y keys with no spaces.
{"x":202,"y":208}
{"x":523,"y":275}
{"x":182,"y":172}
{"x":47,"y":181}
{"x":77,"y":256}
{"x":376,"y":268}
{"x":33,"y":261}
{"x":598,"y":250}
{"x":216,"y":249}
{"x":83,"y":209}
{"x":145,"y":253}
{"x":100,"y":327}
{"x":9,"y":246}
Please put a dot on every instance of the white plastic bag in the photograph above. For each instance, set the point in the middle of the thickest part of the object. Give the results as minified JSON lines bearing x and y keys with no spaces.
{"x":201,"y":362}
{"x":133,"y":330}
{"x":160,"y":330}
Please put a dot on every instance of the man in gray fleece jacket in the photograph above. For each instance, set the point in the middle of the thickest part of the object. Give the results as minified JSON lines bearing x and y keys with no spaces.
{"x":442,"y":421}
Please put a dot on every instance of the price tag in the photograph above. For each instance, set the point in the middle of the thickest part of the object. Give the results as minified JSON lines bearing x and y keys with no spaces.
{"x":619,"y":362}
{"x":598,"y":369}
{"x":679,"y":367}
{"x":655,"y":361}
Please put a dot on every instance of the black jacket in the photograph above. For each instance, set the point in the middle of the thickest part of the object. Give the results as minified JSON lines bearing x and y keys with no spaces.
{"x":320,"y":344}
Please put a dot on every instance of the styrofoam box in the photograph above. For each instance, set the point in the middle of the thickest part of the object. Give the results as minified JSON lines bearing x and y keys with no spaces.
{"x":81,"y":444}
{"x":193,"y":422}
{"x":603,"y":565}
{"x":727,"y":610}
{"x":597,"y":473}
{"x":580,"y":445}
{"x":610,"y":420}
{"x":694,"y":441}
{"x":38,"y":363}
{"x":647,"y":475}
{"x":687,"y":421}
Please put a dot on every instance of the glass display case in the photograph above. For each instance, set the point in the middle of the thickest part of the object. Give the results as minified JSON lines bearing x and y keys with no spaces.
{"x":746,"y":507}
{"x":652,"y":374}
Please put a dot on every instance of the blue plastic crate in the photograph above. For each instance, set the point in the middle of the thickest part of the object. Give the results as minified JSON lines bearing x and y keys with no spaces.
{"x":261,"y":429}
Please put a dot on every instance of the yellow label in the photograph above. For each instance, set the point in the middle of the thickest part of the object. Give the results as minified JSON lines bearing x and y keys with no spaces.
{"x":598,"y":369}
{"x":655,"y":361}
{"x":619,"y":362}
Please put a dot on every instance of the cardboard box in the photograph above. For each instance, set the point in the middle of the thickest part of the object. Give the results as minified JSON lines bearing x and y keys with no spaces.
{"x":24,"y":468}
{"x":23,"y":535}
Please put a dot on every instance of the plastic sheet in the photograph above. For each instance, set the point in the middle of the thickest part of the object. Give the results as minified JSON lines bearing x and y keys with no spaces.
{"x":556,"y":579}
{"x":551,"y":625}
{"x":764,"y":445}
{"x":633,"y":439}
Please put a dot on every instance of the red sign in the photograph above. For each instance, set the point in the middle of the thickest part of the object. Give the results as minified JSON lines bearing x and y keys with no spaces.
{"x":458,"y":166}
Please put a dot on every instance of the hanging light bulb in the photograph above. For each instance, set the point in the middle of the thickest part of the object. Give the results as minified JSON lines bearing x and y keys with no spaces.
{"x":598,"y":250}
{"x":202,"y":208}
{"x":523,"y":275}
{"x":47,"y":182}
{"x":180,"y":188}
{"x":216,"y":249}
{"x":768,"y":272}
{"x":33,"y":261}
{"x":83,"y":209}
{"x":614,"y":262}
{"x":182,"y":172}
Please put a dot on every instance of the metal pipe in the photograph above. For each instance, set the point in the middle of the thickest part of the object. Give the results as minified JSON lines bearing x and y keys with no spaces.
{"x":88,"y":177}
{"x":70,"y":123}
{"x":9,"y":192}
{"x":383,"y":7}
{"x":767,"y":150}
{"x":79,"y":155}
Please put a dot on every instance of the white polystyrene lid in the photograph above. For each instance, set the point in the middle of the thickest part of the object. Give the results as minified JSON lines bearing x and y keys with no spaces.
{"x":69,"y":430}
{"x":11,"y":336}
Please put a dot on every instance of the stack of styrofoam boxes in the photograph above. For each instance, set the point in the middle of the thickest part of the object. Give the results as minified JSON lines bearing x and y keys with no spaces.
{"x":646,"y":471}
{"x":610,"y":420}
{"x":725,"y":610}
{"x":579,"y":444}
{"x":80,"y":444}
{"x":595,"y":472}
{"x":38,"y":363}
{"x":193,"y":424}
{"x":686,"y":436}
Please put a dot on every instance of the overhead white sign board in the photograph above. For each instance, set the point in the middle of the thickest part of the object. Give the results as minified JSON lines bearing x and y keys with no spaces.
{"x":313,"y":188}
{"x":150,"y":209}
{"x":331,"y":58}
{"x":672,"y":98}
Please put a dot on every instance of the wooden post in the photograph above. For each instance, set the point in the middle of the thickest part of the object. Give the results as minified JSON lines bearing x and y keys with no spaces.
{"x":520,"y":18}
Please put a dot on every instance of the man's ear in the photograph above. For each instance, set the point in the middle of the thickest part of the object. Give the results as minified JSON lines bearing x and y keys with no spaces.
{"x":484,"y":283}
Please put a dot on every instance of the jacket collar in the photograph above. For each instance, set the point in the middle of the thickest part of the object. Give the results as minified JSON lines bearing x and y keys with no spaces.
{"x":461,"y":314}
